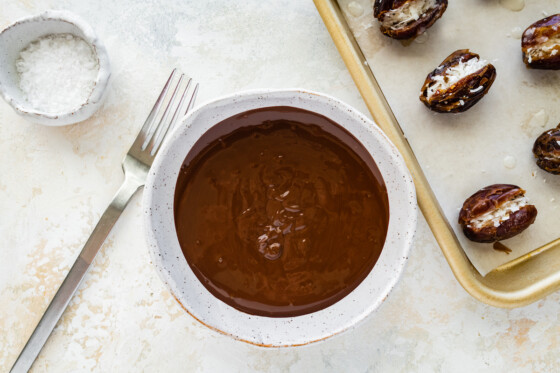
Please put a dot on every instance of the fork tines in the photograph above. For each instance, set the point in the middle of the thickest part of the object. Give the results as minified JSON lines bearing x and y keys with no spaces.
{"x":158,"y":124}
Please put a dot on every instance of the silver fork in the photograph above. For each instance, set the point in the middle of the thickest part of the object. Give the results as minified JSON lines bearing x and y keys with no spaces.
{"x":136,"y":165}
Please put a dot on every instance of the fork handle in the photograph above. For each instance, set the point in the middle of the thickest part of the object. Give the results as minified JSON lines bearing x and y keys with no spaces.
{"x":75,"y":276}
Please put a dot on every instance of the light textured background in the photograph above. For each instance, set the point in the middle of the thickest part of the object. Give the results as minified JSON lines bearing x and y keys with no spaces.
{"x":55,"y":182}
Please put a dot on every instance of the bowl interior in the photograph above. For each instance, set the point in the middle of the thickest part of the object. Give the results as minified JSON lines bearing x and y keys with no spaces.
{"x":17,"y":37}
{"x":288,"y":331}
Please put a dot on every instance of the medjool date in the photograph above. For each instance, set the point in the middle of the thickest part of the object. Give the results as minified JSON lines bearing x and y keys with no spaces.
{"x":547,"y":151}
{"x":405,"y":19}
{"x":458,"y":83}
{"x":541,"y":44}
{"x":495,"y":213}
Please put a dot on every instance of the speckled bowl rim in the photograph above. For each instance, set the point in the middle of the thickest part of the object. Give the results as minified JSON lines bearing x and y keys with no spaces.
{"x":101,"y":81}
{"x":289,"y":331}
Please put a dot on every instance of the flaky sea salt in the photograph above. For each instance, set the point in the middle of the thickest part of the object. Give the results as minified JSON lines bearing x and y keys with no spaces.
{"x":57,"y":73}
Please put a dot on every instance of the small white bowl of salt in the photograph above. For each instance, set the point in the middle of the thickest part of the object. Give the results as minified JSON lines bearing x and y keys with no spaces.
{"x":53,"y":68}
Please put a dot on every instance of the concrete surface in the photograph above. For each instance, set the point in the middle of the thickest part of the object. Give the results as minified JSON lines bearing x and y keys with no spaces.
{"x":55,"y":182}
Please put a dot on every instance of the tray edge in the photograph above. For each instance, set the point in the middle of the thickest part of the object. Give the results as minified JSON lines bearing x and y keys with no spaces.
{"x":514,"y":284}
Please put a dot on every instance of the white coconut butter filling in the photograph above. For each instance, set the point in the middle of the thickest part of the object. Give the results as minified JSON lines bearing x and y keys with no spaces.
{"x":409,"y":12}
{"x":548,"y":46}
{"x":455,"y":73}
{"x":499,"y":215}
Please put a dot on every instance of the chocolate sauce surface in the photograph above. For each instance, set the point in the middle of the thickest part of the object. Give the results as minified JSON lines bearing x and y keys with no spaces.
{"x":278,"y":217}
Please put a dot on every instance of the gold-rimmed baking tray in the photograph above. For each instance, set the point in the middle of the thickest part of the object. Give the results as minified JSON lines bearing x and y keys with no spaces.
{"x":516,"y":283}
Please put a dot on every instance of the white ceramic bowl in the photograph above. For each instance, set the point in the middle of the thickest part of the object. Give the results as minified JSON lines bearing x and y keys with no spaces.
{"x":290,"y":331}
{"x":19,"y":34}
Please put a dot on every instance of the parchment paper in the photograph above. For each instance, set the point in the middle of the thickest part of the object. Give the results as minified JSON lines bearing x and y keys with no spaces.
{"x":491,"y":142}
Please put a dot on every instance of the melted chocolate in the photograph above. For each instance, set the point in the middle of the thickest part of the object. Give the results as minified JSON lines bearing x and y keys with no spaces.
{"x":498,"y":246}
{"x":280,"y":212}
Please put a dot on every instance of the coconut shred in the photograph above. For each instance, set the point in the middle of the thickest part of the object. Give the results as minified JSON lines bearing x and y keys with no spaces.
{"x":497,"y":216}
{"x":57,"y":73}
{"x":410,"y":11}
{"x":456,"y":73}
